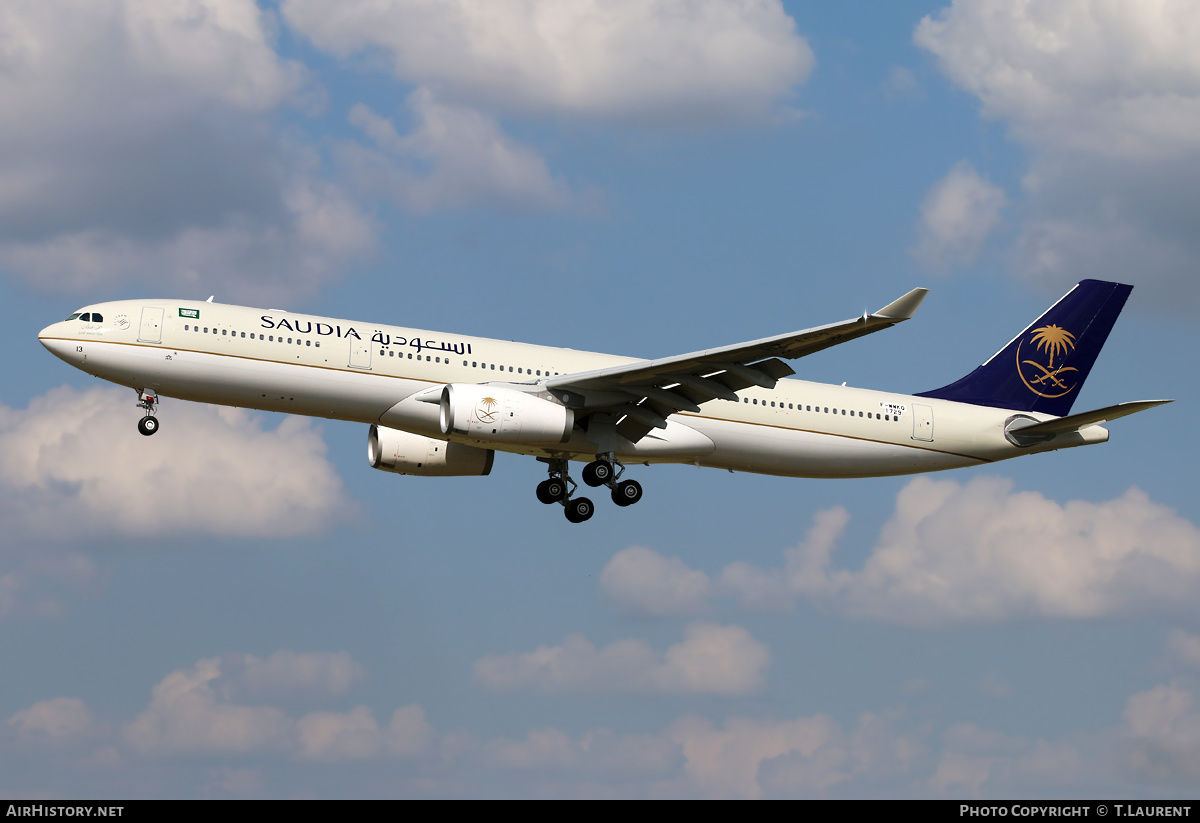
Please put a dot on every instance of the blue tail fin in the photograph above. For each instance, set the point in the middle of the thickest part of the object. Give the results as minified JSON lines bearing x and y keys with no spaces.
{"x":1044,"y":367}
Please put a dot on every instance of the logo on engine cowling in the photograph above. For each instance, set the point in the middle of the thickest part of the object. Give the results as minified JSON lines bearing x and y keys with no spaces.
{"x":1040,"y":375}
{"x":487,"y":410}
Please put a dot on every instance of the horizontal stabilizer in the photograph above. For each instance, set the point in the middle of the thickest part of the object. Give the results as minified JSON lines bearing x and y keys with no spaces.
{"x":1075,"y":422}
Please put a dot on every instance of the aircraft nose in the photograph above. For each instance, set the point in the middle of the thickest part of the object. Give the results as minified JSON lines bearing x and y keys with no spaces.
{"x":51,"y":338}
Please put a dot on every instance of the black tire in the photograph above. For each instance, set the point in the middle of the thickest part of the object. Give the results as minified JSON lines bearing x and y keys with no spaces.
{"x":627,"y":493}
{"x":597,"y":473}
{"x":543,"y":492}
{"x":148,"y":425}
{"x":555,"y":488}
{"x":579,"y":510}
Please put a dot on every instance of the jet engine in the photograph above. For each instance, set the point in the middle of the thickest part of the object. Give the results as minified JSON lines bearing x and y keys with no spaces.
{"x":392,"y":450}
{"x":500,"y":415}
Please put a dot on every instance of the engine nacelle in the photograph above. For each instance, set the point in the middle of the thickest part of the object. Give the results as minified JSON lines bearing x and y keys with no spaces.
{"x":392,"y":450}
{"x":499,"y":415}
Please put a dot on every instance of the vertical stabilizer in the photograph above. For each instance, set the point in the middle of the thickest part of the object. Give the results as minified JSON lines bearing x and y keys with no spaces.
{"x":1044,"y":367}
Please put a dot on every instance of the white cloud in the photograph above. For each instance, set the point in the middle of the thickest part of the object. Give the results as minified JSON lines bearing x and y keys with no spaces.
{"x":978,"y":762}
{"x":284,"y":673}
{"x":639,"y":580}
{"x":982,"y":552}
{"x":1107,"y":98}
{"x":1164,"y":735}
{"x":957,"y":215}
{"x":73,"y":463}
{"x":753,"y":758}
{"x":185,"y":716}
{"x":57,"y":719}
{"x":192,"y":711}
{"x":651,"y":61}
{"x":355,"y":735}
{"x":136,"y":146}
{"x":1119,"y":79}
{"x":454,"y":158}
{"x":711,"y":659}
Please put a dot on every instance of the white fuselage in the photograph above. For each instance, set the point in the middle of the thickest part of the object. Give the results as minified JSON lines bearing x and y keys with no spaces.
{"x":346,"y":370}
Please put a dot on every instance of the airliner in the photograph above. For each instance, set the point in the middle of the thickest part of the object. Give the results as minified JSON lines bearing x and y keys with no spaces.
{"x":442,"y":404}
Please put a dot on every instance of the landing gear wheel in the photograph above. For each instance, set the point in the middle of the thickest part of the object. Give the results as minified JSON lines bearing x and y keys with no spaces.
{"x":597,"y":473}
{"x":550,"y":491}
{"x":627,"y":492}
{"x":579,"y":509}
{"x":148,"y":425}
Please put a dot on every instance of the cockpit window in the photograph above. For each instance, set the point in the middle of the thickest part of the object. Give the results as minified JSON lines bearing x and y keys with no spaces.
{"x":97,"y":317}
{"x":74,"y":316}
{"x":86,"y":318}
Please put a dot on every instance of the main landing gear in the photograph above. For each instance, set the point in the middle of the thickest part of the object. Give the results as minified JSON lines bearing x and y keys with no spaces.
{"x":603,"y":471}
{"x":148,"y":400}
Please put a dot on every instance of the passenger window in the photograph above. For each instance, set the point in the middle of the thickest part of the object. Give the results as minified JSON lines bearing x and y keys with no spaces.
{"x":185,"y":328}
{"x":224,"y":332}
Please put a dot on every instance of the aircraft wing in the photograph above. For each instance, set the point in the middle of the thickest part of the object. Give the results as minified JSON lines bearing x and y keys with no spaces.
{"x":643,"y":394}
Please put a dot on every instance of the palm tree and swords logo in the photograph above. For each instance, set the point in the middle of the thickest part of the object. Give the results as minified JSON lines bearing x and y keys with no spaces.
{"x":487,"y":410}
{"x":1044,"y":378}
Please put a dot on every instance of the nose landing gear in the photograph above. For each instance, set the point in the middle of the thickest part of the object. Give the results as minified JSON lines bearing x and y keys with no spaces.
{"x":148,"y":400}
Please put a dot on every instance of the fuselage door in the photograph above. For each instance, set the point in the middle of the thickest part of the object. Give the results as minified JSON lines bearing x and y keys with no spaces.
{"x":922,"y":423}
{"x":151,"y":328}
{"x":360,"y":354}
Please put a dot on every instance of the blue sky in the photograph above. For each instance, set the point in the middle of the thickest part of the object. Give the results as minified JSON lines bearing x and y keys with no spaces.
{"x":240,"y":607}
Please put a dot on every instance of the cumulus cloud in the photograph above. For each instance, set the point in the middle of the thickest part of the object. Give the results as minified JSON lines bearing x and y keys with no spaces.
{"x":977,"y":552}
{"x":186,"y":716}
{"x":1107,"y":98}
{"x":455,"y":157}
{"x":287,"y":673}
{"x":711,"y":659}
{"x":983,"y":552}
{"x":957,"y":215}
{"x":753,"y":758}
{"x":355,"y":735}
{"x":639,"y":580}
{"x":73,"y":463}
{"x":137,"y":146}
{"x":650,"y":61}
{"x":1163,"y":735}
{"x":61,"y":718}
{"x":194,"y":711}
{"x":976,"y":762}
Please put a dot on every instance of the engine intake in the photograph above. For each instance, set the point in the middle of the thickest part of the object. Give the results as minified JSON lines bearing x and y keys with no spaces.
{"x":401,"y":452}
{"x":499,"y":415}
